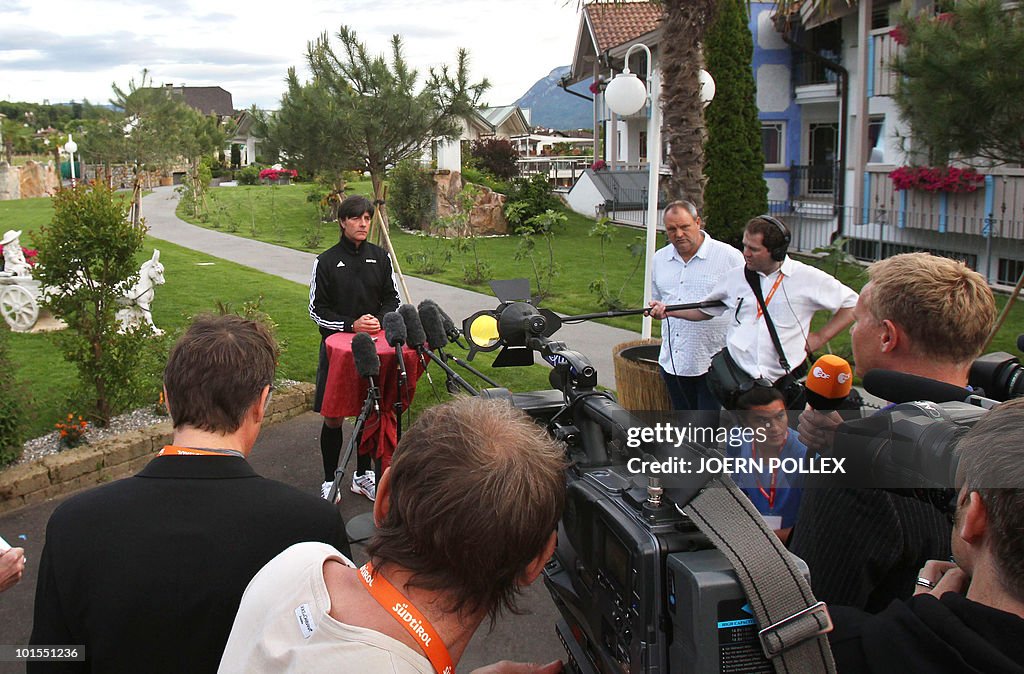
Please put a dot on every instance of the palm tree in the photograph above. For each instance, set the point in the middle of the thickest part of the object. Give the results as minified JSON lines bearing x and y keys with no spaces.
{"x":683,"y":27}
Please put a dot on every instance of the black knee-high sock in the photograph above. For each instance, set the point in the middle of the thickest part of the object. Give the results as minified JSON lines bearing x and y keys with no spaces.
{"x":330,"y":449}
{"x":362,"y":463}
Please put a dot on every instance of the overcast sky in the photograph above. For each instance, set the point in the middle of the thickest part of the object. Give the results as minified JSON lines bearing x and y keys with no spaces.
{"x":63,"y":50}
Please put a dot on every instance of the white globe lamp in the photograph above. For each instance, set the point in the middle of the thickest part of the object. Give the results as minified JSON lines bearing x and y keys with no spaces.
{"x":625,"y":94}
{"x":707,"y":87}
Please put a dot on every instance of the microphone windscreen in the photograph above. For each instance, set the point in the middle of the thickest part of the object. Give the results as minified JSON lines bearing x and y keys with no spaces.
{"x":900,"y":387}
{"x":446,"y":321}
{"x":829,"y":382}
{"x":394,"y":329}
{"x":413,"y":326}
{"x":432,"y":325}
{"x":365,"y":354}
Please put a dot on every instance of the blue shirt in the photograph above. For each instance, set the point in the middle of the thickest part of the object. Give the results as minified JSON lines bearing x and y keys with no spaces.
{"x":787,"y":485}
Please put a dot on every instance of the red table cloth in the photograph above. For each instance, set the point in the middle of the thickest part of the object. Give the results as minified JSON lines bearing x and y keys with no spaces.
{"x":346,"y":391}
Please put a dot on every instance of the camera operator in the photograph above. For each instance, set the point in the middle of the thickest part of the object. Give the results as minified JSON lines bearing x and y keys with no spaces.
{"x":792,"y":292}
{"x":466,"y":516}
{"x":923,"y":315}
{"x":966,"y":616}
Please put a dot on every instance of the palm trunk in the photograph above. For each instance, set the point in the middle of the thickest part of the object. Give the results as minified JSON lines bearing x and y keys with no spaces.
{"x":683,"y":29}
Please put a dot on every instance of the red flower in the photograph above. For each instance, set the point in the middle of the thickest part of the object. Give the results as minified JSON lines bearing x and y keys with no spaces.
{"x":898,"y":35}
{"x":936,"y":179}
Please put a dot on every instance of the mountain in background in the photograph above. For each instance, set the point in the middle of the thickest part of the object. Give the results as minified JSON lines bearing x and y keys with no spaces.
{"x":554,"y":108}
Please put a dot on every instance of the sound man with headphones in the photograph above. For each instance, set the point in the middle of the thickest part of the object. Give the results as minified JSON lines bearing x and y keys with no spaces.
{"x":792,"y":292}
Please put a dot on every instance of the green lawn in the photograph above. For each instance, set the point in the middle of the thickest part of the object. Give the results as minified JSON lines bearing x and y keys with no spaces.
{"x":196,"y":283}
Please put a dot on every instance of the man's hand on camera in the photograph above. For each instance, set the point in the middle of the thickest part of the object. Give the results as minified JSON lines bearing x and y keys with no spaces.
{"x":509,"y":667}
{"x":658,"y":310}
{"x":366,"y":323}
{"x":943,"y":577}
{"x":12,"y":566}
{"x":818,"y":429}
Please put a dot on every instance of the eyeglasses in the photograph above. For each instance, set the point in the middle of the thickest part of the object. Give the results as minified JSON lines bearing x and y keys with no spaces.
{"x":739,"y":305}
{"x":760,"y":382}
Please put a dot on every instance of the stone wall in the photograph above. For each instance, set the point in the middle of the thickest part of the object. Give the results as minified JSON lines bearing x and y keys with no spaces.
{"x":487,"y":216}
{"x":120,"y":456}
{"x":10,"y":185}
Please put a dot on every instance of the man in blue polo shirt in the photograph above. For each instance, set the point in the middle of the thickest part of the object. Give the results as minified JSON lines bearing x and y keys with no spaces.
{"x":775,"y":493}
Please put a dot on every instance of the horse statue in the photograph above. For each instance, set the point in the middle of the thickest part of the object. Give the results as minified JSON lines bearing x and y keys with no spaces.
{"x":138,"y":299}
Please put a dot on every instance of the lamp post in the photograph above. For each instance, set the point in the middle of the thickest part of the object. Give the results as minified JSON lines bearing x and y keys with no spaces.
{"x":72,"y":147}
{"x":626,"y":95}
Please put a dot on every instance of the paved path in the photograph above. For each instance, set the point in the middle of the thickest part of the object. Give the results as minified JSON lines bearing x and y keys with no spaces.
{"x":594,"y":340}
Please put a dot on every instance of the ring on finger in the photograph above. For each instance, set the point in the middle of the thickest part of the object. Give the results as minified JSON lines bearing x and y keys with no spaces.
{"x":924,"y":582}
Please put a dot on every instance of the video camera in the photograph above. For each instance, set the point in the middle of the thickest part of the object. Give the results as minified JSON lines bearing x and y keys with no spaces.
{"x":640,"y":588}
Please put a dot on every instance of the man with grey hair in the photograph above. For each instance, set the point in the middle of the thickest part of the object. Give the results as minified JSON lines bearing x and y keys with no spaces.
{"x":685,"y":271}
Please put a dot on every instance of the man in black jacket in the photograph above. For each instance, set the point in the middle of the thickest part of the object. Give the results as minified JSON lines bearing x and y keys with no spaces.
{"x":147,"y":572}
{"x":966,"y":616}
{"x":350,"y":291}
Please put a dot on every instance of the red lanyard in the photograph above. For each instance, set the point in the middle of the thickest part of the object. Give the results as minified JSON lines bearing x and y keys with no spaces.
{"x":770,"y":494}
{"x":771,"y":293}
{"x":409,"y":617}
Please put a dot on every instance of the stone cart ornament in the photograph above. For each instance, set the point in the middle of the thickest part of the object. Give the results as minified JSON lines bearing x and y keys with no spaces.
{"x":14,"y":258}
{"x":19,"y":292}
{"x":139,"y":297}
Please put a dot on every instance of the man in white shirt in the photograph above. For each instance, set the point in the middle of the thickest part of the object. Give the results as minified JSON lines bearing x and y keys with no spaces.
{"x":792,"y":291}
{"x":685,"y":271}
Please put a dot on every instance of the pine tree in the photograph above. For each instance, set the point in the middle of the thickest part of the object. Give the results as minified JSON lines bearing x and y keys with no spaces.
{"x":734,"y":158}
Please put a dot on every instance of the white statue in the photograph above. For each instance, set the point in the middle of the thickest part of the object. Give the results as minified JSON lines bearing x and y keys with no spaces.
{"x":14,"y":259}
{"x":139,"y":297}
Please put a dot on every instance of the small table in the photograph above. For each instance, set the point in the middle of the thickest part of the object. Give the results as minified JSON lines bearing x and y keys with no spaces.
{"x":346,"y":391}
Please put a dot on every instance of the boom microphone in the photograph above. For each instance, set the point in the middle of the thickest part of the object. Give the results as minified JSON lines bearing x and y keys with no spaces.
{"x":829,"y":382}
{"x":367,"y":363}
{"x":900,"y":387}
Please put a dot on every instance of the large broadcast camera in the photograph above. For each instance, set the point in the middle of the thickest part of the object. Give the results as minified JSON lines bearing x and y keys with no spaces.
{"x":640,"y":587}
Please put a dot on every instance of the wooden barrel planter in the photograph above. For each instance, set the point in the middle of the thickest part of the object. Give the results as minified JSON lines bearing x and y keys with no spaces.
{"x":637,"y":380}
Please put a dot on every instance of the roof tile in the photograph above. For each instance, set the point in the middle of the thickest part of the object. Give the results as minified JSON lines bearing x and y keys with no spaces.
{"x":619,"y":22}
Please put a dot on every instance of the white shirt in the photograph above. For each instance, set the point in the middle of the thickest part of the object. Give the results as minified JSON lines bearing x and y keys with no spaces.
{"x":803,"y":291}
{"x":687,"y":346}
{"x":283,"y":625}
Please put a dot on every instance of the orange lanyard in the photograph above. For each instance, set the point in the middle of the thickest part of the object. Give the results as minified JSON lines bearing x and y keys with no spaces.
{"x":172,"y":450}
{"x":409,"y":617}
{"x":771,"y":293}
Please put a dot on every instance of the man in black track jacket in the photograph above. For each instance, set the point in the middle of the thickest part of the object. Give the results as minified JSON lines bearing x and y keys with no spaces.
{"x":350,"y":291}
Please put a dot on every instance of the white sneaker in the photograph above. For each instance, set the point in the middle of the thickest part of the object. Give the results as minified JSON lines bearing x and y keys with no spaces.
{"x":365,"y":484}
{"x":325,"y":490}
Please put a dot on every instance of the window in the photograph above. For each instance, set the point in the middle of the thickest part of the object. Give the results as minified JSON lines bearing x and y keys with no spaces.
{"x":1010,"y":271}
{"x":773,"y":141}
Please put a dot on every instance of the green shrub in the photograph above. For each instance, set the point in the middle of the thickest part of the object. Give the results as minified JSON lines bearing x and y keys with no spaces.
{"x":527,"y":199}
{"x":479,"y":177}
{"x":12,"y":409}
{"x":250,"y":175}
{"x":411,"y":196}
{"x":87,"y":254}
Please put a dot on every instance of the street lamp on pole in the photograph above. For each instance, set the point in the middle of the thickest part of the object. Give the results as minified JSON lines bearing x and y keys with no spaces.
{"x":626,"y":95}
{"x":71,"y":147}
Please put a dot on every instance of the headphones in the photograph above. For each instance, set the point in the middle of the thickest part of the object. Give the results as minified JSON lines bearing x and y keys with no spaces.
{"x":779,"y":252}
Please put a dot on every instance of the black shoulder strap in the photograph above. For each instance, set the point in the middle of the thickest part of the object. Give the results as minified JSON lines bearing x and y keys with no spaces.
{"x":755,"y":285}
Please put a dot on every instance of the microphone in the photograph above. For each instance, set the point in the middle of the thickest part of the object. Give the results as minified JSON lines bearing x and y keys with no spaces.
{"x":433,"y":326}
{"x":395,"y":333}
{"x":367,"y":364}
{"x":415,"y":335}
{"x":450,"y":330}
{"x":900,"y":387}
{"x":829,"y":382}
